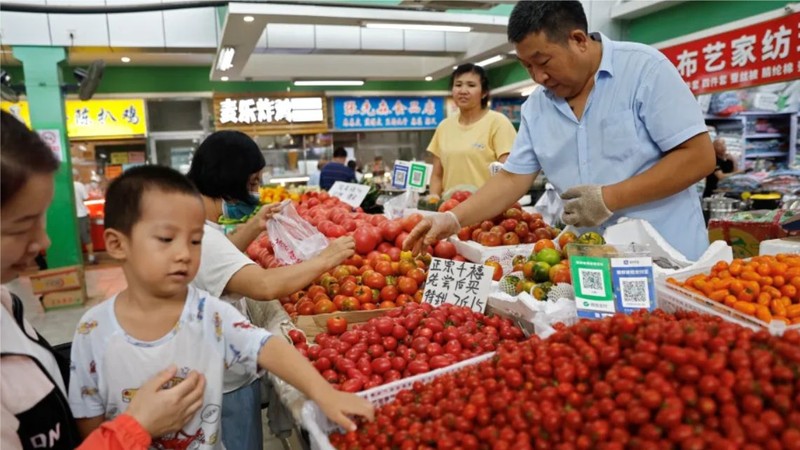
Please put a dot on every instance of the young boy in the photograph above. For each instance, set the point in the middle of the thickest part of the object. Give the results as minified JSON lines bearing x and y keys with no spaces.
{"x":154,"y":225}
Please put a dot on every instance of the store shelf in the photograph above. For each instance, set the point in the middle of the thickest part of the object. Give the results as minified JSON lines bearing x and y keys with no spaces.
{"x":764,"y":135}
{"x":766,"y":155}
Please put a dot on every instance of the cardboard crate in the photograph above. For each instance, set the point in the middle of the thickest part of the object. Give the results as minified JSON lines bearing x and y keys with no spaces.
{"x":55,"y":280}
{"x":314,"y":325}
{"x":64,"y":299}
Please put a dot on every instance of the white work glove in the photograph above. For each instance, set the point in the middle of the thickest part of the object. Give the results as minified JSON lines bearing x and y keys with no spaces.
{"x":584,"y":206}
{"x":431,"y":229}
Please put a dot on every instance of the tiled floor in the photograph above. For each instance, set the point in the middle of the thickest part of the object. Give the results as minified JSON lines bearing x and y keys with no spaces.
{"x":58,"y":326}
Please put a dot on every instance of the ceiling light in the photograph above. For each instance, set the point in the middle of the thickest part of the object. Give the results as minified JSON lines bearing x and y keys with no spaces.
{"x":225,"y":59}
{"x":428,"y":78}
{"x":329,"y":82}
{"x":488,"y":61}
{"x":125,"y":59}
{"x":224,"y":78}
{"x":417,"y":27}
{"x":455,"y":67}
{"x":248,"y":19}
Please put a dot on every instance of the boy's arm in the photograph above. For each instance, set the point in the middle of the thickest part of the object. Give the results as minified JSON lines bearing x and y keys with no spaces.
{"x":280,"y":358}
{"x":89,"y":424}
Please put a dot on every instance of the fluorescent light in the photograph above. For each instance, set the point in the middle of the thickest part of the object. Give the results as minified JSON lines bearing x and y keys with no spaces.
{"x":428,"y":78}
{"x":329,"y":82}
{"x":224,"y":78}
{"x":289,"y":180}
{"x":455,"y":67}
{"x":488,"y":61}
{"x":125,"y":59}
{"x":417,"y":27}
{"x":248,"y":19}
{"x":225,"y":60}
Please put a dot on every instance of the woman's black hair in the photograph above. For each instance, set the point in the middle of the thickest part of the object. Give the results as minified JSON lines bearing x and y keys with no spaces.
{"x":23,"y":154}
{"x":223,"y":164}
{"x":477,"y":70}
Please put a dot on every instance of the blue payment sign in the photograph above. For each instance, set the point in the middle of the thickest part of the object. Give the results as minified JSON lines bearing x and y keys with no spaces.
{"x":373,"y":113}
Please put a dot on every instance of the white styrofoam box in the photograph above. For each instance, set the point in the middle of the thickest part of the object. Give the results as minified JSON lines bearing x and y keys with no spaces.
{"x":776,"y":246}
{"x":478,"y":253}
{"x":673,"y":298}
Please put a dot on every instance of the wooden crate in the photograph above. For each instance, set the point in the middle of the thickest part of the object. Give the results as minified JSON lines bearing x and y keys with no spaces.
{"x":314,"y":325}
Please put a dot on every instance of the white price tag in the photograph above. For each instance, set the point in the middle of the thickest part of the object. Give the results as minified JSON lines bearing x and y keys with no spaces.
{"x":458,"y":283}
{"x":351,"y":193}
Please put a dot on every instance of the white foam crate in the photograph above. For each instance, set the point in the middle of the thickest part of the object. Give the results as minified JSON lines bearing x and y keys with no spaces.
{"x":319,"y":427}
{"x":673,"y":298}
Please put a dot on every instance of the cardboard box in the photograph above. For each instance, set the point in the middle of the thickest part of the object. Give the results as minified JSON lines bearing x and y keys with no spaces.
{"x":64,"y":299}
{"x":54,"y":280}
{"x":314,"y":325}
{"x":746,"y":230}
{"x":477,"y":253}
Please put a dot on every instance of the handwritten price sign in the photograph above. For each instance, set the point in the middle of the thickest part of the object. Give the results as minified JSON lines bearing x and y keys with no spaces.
{"x":458,"y":283}
{"x":351,"y":193}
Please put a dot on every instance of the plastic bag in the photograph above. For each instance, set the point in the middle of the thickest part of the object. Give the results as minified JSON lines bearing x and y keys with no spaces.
{"x":293,"y":239}
{"x":395,"y":207}
{"x":550,"y":205}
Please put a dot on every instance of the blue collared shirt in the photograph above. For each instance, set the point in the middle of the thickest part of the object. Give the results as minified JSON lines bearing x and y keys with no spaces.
{"x":639,"y":109}
{"x":333,"y":172}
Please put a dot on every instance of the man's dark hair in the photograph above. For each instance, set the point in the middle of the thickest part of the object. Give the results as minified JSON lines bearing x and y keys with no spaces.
{"x":223,"y":164}
{"x":123,"y":207}
{"x":556,"y":18}
{"x":480,"y":72}
{"x":23,"y":154}
{"x":340,"y":152}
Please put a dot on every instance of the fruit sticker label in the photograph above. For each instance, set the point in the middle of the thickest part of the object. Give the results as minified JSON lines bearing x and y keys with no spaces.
{"x":634,"y":286}
{"x":591,"y":277}
{"x":458,"y":283}
{"x":351,"y":193}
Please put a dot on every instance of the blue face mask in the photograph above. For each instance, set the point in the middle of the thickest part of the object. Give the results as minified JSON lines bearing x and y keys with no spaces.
{"x":237,"y":210}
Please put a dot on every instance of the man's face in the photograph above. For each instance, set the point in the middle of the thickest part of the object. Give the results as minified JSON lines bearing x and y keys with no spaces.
{"x":561,"y":67}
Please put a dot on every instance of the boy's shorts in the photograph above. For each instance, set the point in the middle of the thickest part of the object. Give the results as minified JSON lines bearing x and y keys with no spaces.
{"x":83,"y":229}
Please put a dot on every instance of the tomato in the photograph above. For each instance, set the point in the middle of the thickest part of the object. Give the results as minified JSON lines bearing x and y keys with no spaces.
{"x":336,"y":325}
{"x":411,"y":221}
{"x":351,"y":304}
{"x":352,"y":385}
{"x":417,"y":367}
{"x":407,"y":285}
{"x":374,"y":280}
{"x":323,"y":305}
{"x":417,"y":275}
{"x":363,"y":294}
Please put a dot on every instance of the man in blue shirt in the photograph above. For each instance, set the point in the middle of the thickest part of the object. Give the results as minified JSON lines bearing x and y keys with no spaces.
{"x":313,"y":179}
{"x":336,"y":170}
{"x":614,"y":127}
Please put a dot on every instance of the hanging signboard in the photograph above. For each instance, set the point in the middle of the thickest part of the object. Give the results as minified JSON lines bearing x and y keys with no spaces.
{"x":271,"y":113}
{"x":763,"y":53}
{"x":94,"y":119}
{"x":388,"y":113}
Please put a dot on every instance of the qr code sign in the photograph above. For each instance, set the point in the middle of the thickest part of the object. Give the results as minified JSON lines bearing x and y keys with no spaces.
{"x":635,"y":292}
{"x":592,"y":282}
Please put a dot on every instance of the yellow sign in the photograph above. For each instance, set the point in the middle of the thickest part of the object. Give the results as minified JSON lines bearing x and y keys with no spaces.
{"x":119,"y":158}
{"x":94,"y":119}
{"x":105,"y":118}
{"x":18,"y":110}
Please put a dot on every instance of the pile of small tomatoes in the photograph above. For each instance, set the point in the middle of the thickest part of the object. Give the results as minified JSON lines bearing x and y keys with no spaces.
{"x":647,"y":381}
{"x":767,"y":287}
{"x":407,"y":341}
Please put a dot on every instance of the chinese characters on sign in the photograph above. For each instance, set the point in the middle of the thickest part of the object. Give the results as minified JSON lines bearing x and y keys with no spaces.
{"x":767,"y":52}
{"x":366,"y":113}
{"x":458,"y":283}
{"x":351,"y":193}
{"x":105,"y":118}
{"x":265,"y":110}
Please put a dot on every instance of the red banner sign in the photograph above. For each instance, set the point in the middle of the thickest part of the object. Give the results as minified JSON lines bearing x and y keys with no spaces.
{"x":764,"y":53}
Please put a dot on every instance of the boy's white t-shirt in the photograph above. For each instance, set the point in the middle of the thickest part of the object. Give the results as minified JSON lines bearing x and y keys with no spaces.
{"x":211,"y":337}
{"x":219,"y":262}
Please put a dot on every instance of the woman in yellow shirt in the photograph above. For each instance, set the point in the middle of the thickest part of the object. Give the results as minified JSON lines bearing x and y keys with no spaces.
{"x":464,"y":146}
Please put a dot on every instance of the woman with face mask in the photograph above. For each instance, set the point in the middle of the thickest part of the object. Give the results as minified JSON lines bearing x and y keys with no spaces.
{"x":227,"y":171}
{"x":465,"y":145}
{"x":33,"y":377}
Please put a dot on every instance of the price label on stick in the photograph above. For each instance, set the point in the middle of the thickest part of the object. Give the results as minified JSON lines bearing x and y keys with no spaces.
{"x":351,"y":193}
{"x":458,"y":283}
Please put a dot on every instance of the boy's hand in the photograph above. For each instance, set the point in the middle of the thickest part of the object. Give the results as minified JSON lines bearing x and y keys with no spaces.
{"x":339,"y":250}
{"x":337,"y":406}
{"x":161,"y":411}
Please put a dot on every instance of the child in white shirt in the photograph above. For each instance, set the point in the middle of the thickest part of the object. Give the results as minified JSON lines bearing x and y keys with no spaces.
{"x":154,"y":225}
